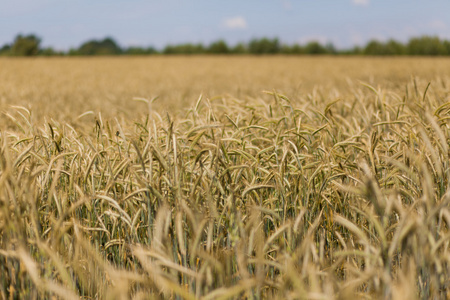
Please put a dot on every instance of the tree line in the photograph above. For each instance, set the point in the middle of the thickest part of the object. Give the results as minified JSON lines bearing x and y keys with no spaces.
{"x":30,"y":45}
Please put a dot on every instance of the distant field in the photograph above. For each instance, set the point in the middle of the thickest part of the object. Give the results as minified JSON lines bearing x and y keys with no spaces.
{"x":334,"y":183}
{"x":67,"y":87}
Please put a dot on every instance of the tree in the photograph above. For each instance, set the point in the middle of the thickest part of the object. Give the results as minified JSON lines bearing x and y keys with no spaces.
{"x":426,"y":45}
{"x":73,"y":52}
{"x":5,"y":50}
{"x":104,"y":47}
{"x":374,"y":47}
{"x":315,"y":47}
{"x":264,"y":46}
{"x":297,"y":49}
{"x":240,"y":48}
{"x":330,"y":48}
{"x":356,"y":50}
{"x":140,"y":51}
{"x":25,"y":45}
{"x":447,"y":46}
{"x":294,"y":49}
{"x":218,"y":47}
{"x":395,"y":48}
{"x":392,"y":47}
{"x":184,"y":49}
{"x":49,"y":51}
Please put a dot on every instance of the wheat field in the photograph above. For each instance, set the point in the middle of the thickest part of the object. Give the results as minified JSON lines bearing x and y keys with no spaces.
{"x":225,"y":178}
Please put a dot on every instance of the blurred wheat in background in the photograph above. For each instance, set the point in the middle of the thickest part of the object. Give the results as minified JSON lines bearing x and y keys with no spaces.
{"x":331,"y":184}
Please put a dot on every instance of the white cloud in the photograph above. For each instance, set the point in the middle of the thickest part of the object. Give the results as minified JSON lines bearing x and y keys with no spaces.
{"x":361,"y":2}
{"x":235,"y":23}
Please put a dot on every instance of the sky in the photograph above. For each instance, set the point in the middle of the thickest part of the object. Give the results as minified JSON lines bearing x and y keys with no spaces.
{"x":63,"y":24}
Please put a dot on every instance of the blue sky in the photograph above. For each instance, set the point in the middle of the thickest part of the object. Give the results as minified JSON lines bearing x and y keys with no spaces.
{"x":67,"y":23}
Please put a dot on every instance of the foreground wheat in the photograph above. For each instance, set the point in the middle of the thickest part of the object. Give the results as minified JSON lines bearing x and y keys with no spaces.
{"x":320,"y":198}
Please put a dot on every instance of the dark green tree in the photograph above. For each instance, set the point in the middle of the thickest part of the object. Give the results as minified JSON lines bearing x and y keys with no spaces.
{"x":218,"y":47}
{"x":286,"y":49}
{"x":104,"y":47}
{"x":426,"y":45}
{"x":392,"y":47}
{"x":240,"y":48}
{"x":170,"y":49}
{"x":49,"y":51}
{"x":184,"y":49}
{"x":294,"y":49}
{"x":358,"y":50}
{"x":297,"y":49}
{"x":5,"y":50}
{"x":447,"y":46}
{"x":374,"y":47}
{"x":140,"y":51}
{"x":314,"y":48}
{"x":25,"y":45}
{"x":330,"y":48}
{"x":264,"y":46}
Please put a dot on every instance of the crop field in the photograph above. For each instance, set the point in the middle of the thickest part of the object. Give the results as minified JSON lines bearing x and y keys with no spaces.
{"x":211,"y":177}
